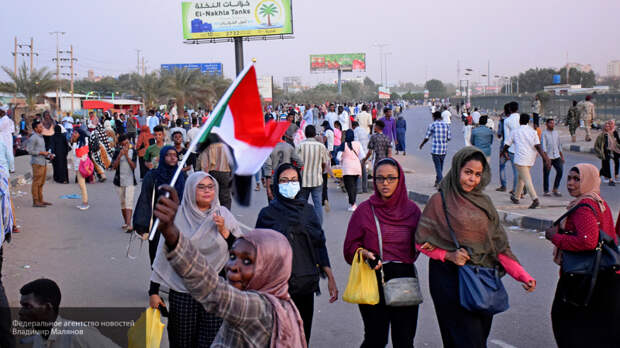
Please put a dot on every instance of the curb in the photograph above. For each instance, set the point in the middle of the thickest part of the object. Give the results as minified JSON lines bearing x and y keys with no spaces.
{"x":507,"y":217}
{"x":578,"y":148}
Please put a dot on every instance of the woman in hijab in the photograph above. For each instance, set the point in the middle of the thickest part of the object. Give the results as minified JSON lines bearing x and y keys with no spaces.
{"x":594,"y":325}
{"x":48,"y":128}
{"x":110,"y":133}
{"x":211,"y":229}
{"x":351,"y":166}
{"x":254,"y":303}
{"x":484,"y":243}
{"x":144,"y":141}
{"x":292,"y":216}
{"x":398,"y":219}
{"x":607,"y":148}
{"x":401,"y":132}
{"x":60,"y":148}
{"x":143,"y":214}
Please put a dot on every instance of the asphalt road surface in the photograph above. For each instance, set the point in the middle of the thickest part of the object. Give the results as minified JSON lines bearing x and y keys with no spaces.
{"x":84,"y":251}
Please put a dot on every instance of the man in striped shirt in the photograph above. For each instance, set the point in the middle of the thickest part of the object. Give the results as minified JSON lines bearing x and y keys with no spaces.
{"x":314,"y":155}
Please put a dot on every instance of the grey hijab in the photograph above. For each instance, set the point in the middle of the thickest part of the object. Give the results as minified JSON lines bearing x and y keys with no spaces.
{"x":200,"y":229}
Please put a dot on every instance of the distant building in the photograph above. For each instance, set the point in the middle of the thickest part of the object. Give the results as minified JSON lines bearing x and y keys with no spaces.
{"x":586,"y":68}
{"x":292,"y":84}
{"x":613,"y":68}
{"x":92,"y":77}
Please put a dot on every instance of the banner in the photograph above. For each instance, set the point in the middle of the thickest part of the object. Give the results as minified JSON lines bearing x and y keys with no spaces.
{"x":334,"y":62}
{"x":265,"y":88}
{"x":223,"y":19}
{"x":210,"y":68}
{"x":384,"y":93}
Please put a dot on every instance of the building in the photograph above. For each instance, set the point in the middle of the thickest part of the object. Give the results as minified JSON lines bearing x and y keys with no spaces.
{"x":92,"y":77}
{"x":112,"y":105}
{"x":65,"y":100}
{"x":292,"y":84}
{"x":585,"y":68}
{"x":613,"y":68}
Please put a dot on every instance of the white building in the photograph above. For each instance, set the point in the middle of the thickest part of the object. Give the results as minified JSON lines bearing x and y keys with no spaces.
{"x":613,"y":68}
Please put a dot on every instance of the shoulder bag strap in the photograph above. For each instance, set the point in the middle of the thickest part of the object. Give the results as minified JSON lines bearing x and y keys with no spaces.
{"x":380,"y":242}
{"x":571,"y":210}
{"x":152,"y":208}
{"x":445,"y":210}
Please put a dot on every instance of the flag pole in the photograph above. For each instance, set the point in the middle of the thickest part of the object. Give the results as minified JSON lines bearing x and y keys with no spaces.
{"x":204,"y":128}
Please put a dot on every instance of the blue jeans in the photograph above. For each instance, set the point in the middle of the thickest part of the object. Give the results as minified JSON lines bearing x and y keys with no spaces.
{"x":257,"y":177}
{"x":438,"y":162}
{"x":317,"y":193}
{"x":502,"y":170}
{"x":515,"y":175}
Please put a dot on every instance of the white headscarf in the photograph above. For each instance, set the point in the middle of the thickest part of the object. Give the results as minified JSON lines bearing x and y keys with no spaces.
{"x":198,"y":226}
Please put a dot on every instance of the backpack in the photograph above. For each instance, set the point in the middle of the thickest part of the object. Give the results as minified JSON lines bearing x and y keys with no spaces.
{"x":305,"y":272}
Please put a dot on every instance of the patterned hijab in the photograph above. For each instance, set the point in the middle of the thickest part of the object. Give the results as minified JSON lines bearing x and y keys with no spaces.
{"x":472,"y":215}
{"x":272,"y":270}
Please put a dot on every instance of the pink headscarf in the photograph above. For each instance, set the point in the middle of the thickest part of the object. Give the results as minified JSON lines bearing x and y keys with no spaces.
{"x":590,"y":185}
{"x":272,"y":270}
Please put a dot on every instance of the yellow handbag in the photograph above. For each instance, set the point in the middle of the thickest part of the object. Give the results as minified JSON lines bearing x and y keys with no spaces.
{"x":362,"y":287}
{"x":147,"y":331}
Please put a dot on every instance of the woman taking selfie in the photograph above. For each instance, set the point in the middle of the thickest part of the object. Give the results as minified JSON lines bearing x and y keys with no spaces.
{"x":398,"y":219}
{"x":477,"y":228}
{"x":254,"y":302}
{"x":210,"y":228}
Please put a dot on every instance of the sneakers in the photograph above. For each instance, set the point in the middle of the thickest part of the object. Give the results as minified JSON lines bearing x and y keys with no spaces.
{"x":352,"y":207}
{"x":534,"y":204}
{"x":501,"y":189}
{"x":83,"y":206}
{"x":547,"y":194}
{"x":612,"y":183}
{"x":557,"y":194}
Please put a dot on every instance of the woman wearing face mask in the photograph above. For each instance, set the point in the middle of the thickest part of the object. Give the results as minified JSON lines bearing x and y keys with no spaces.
{"x":254,"y":303}
{"x":398,"y":219}
{"x":296,"y":217}
{"x":477,"y":227}
{"x":143,"y":215}
{"x":211,"y":229}
{"x":594,"y":325}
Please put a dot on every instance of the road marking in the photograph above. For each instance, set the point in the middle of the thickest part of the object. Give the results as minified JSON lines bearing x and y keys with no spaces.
{"x":502,"y":344}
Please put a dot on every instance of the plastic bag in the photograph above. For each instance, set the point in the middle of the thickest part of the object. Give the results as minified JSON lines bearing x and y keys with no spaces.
{"x":147,"y":331}
{"x":362,"y":287}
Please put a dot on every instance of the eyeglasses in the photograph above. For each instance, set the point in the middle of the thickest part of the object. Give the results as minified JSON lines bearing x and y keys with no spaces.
{"x":287,"y":180}
{"x":384,"y":179}
{"x":205,"y":188}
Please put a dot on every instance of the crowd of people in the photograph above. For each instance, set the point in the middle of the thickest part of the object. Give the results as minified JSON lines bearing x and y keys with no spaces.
{"x":232,"y":287}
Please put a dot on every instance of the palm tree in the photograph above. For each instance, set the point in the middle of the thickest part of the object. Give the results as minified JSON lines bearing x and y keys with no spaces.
{"x":32,"y":85}
{"x":151,"y":87}
{"x":184,"y":84}
{"x":268,"y":10}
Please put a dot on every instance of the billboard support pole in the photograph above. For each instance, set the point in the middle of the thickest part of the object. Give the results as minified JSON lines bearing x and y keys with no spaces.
{"x":239,"y":54}
{"x":339,"y":81}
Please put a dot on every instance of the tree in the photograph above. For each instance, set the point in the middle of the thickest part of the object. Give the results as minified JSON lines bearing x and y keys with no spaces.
{"x":577,"y":77}
{"x":183,"y":84}
{"x":436,"y":88}
{"x":151,"y":87}
{"x":32,"y":85}
{"x":268,"y":10}
{"x":533,"y":80}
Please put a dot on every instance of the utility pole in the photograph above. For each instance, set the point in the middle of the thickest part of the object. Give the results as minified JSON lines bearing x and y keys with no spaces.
{"x":72,"y":78}
{"x":143,"y":72}
{"x":30,"y":53}
{"x":380,"y":46}
{"x":387,"y":82}
{"x":57,"y":33}
{"x":458,"y":74}
{"x":138,"y":64}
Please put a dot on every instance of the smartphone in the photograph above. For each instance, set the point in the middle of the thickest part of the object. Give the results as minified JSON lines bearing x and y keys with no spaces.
{"x":373,"y":263}
{"x":217,"y":212}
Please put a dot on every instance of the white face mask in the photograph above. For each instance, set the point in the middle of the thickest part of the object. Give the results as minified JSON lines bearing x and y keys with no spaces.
{"x":289,"y":190}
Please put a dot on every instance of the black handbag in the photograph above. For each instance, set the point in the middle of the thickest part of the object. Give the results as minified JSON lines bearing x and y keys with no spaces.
{"x":480,"y":288}
{"x":584,"y":266}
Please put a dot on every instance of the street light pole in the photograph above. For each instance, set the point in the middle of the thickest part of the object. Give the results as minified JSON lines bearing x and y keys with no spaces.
{"x":380,"y":46}
{"x":387,"y":82}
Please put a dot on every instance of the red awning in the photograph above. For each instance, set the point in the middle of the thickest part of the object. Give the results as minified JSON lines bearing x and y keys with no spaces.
{"x":97,"y":104}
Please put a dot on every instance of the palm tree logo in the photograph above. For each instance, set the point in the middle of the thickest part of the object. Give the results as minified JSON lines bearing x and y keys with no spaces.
{"x":268,"y":10}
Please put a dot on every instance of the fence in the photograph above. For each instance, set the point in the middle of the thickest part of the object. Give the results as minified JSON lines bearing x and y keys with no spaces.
{"x":607,"y":105}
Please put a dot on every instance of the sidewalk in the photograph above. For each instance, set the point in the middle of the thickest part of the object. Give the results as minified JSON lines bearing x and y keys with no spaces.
{"x":420,"y":182}
{"x":23,"y":172}
{"x":580,"y":145}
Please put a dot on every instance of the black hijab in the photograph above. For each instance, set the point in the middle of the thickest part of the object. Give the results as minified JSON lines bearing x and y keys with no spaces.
{"x":164,"y":172}
{"x":294,"y":205}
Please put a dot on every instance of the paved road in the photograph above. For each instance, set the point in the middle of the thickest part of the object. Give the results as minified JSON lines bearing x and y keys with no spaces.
{"x":419,"y":117}
{"x":85,"y":253}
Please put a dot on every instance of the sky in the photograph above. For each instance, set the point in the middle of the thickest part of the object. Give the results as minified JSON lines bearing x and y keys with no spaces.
{"x":425,"y":38}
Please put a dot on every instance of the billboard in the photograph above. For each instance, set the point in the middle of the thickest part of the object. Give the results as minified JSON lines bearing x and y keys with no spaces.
{"x":334,"y":62}
{"x":265,"y":88}
{"x":222,"y":19}
{"x":384,"y":93}
{"x":211,"y":68}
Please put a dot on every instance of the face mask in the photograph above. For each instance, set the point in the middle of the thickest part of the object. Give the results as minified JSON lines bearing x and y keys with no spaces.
{"x":289,"y":190}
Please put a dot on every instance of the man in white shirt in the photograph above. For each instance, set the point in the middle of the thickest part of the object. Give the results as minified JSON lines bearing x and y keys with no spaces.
{"x":553,"y":148}
{"x":7,"y":128}
{"x":364,"y":119}
{"x":193,"y":132}
{"x":331,"y":116}
{"x":511,"y":123}
{"x":343,"y":117}
{"x":526,"y":144}
{"x":476,"y":116}
{"x":446,"y":116}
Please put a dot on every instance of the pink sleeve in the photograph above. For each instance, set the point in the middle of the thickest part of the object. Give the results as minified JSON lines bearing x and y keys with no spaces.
{"x":437,"y":254}
{"x":515,"y":269}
